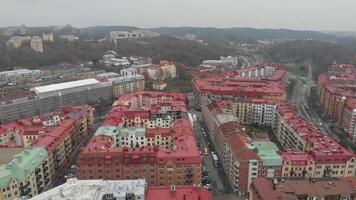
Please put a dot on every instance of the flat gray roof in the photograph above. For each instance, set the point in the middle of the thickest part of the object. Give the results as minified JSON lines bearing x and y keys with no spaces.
{"x":66,"y":85}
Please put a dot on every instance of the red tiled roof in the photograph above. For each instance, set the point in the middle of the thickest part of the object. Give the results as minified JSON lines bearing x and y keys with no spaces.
{"x":184,"y":151}
{"x":179,"y":193}
{"x":231,"y":83}
{"x":237,"y":144}
{"x":49,"y":136}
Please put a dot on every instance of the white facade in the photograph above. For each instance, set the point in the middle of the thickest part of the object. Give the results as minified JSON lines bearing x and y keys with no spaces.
{"x":135,"y":34}
{"x":75,"y":189}
{"x":263,"y":114}
{"x":128,"y":71}
{"x":162,"y":72}
{"x":352,"y":128}
{"x":36,"y":44}
{"x":229,"y":59}
{"x":19,"y":75}
{"x":250,"y":72}
{"x":48,"y":37}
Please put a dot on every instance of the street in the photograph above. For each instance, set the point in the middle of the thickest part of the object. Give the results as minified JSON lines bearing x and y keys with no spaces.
{"x":298,"y":97}
{"x":221,"y":187}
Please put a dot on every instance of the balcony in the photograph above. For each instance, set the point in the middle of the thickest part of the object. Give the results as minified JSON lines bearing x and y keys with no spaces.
{"x":44,"y":163}
{"x":39,"y":182}
{"x":46,"y":181}
{"x":40,"y":190}
{"x":38,"y":170}
{"x":38,"y":176}
{"x":25,"y":185}
{"x":25,"y":192}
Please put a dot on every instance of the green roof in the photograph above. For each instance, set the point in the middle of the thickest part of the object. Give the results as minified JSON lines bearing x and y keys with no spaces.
{"x":106,"y":130}
{"x":268,"y":152}
{"x":21,"y":165}
{"x":120,"y":132}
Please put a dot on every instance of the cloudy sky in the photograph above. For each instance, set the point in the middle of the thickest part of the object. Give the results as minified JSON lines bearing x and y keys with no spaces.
{"x":292,"y":14}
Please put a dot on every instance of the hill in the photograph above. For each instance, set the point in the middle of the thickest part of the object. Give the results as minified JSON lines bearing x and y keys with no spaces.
{"x":244,"y":34}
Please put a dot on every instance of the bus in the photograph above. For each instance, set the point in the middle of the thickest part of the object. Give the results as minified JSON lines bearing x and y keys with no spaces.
{"x":206,"y":151}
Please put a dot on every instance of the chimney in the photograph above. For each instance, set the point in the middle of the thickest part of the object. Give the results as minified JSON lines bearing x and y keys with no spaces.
{"x":274,"y":183}
{"x":173,"y":190}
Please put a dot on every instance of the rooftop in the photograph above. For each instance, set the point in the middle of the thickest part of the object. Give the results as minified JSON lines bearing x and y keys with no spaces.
{"x":267,"y":151}
{"x":122,"y":79}
{"x":237,"y":144}
{"x":75,"y":189}
{"x":18,"y":72}
{"x":184,"y":150}
{"x":232,"y":83}
{"x":21,"y":165}
{"x":120,"y":132}
{"x":177,"y":193}
{"x":295,"y":189}
{"x":7,"y":154}
{"x":64,"y":86}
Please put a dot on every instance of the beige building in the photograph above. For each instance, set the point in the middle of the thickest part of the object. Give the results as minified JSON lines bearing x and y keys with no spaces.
{"x":242,"y":109}
{"x":127,"y":84}
{"x":48,"y":37}
{"x":162,"y":71}
{"x":27,"y":174}
{"x":36,"y":44}
{"x":16,"y":41}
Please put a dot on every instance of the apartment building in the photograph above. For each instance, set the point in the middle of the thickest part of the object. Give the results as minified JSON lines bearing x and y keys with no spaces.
{"x":194,"y":192}
{"x":26,"y":174}
{"x":122,"y":189}
{"x":127,"y":84}
{"x":221,"y":123}
{"x":96,"y":190}
{"x":36,"y":44}
{"x":242,"y":109}
{"x":264,"y":189}
{"x":19,"y":76}
{"x":23,"y":132}
{"x":16,"y":41}
{"x":145,"y":135}
{"x":231,"y":84}
{"x":48,"y":37}
{"x":180,"y":165}
{"x":241,"y":164}
{"x":337,"y":95}
{"x":115,"y":36}
{"x":271,"y":161}
{"x":47,"y":98}
{"x":45,"y":143}
{"x":297,"y":164}
{"x":348,"y":121}
{"x":306,"y":152}
{"x":164,"y":70}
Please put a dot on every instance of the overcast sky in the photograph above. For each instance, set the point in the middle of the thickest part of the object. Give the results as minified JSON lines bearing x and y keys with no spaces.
{"x":292,"y":14}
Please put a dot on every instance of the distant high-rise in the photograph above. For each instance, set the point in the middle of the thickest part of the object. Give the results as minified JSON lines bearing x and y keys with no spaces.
{"x":36,"y":44}
{"x":47,"y":37}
